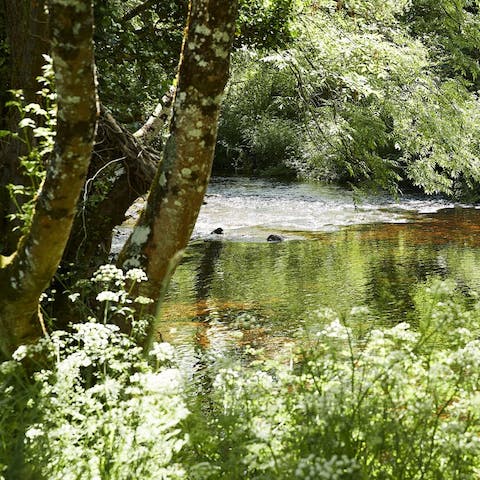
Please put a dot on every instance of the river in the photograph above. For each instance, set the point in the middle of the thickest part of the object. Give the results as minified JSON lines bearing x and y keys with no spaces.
{"x":235,"y":289}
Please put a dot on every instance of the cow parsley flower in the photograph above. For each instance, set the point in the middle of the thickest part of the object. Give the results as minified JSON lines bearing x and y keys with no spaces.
{"x":143,"y":300}
{"x":108,"y":273}
{"x":136,"y":275}
{"x":108,"y":296}
{"x":20,"y":353}
{"x":73,"y":297}
{"x":162,"y":351}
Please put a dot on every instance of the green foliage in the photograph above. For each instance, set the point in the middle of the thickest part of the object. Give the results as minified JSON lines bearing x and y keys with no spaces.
{"x":260,"y":124}
{"x":369,"y":104}
{"x":451,"y":29}
{"x":4,"y":68}
{"x":137,"y":54}
{"x":136,"y":58}
{"x":265,"y":24}
{"x":36,"y":129}
{"x":352,"y":404}
{"x":99,"y":410}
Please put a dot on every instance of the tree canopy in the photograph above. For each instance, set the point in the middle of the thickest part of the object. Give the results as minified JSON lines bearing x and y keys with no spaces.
{"x":383,"y":95}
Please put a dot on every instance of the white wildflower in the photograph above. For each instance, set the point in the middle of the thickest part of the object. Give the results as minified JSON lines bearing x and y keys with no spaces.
{"x":162,"y":351}
{"x":20,"y":353}
{"x":108,"y":296}
{"x":143,"y":300}
{"x":136,"y":275}
{"x":73,"y":297}
{"x":168,"y":381}
{"x":359,"y":311}
{"x":34,"y":432}
{"x":108,"y":273}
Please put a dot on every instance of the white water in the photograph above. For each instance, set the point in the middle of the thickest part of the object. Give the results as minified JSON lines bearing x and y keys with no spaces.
{"x":251,"y":209}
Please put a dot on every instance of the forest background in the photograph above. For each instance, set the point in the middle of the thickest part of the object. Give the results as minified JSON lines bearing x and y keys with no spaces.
{"x":368,"y":94}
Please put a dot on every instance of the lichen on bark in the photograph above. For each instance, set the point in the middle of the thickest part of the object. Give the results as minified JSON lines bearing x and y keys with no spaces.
{"x":32,"y":266}
{"x":180,"y":183}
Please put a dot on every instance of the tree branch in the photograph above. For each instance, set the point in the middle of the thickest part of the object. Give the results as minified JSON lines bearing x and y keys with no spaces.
{"x":157,"y":121}
{"x":121,"y":170}
{"x":138,"y":10}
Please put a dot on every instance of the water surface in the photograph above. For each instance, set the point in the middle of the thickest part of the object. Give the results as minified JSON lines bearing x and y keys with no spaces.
{"x":338,"y":252}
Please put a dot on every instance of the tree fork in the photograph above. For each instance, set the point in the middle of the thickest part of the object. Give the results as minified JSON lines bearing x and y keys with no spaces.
{"x":121,"y":170}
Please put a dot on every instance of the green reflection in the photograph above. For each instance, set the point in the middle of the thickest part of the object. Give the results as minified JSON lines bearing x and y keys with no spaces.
{"x":283,"y":284}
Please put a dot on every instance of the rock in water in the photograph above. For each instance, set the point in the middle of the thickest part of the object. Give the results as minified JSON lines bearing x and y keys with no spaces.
{"x":274,"y":238}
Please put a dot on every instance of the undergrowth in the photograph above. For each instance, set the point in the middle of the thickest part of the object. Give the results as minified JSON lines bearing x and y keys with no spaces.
{"x":390,"y":403}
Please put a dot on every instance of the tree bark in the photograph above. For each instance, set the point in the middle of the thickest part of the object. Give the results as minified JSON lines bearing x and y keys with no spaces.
{"x":121,"y":170}
{"x":25,"y":274}
{"x":26,"y":28}
{"x":166,"y":224}
{"x":157,"y":121}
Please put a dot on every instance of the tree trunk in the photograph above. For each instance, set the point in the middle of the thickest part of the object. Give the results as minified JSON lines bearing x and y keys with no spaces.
{"x":166,"y":224}
{"x":25,"y":274}
{"x":121,"y":170}
{"x":27,"y":36}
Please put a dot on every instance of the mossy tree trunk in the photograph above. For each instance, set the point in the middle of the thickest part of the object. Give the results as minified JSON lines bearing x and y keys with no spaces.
{"x":25,"y":274}
{"x":177,"y":192}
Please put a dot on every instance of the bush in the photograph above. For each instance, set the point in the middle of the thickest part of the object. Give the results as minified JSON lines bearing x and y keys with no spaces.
{"x":357,"y":100}
{"x":388,"y":403}
{"x":100,"y":411}
{"x":259,"y":129}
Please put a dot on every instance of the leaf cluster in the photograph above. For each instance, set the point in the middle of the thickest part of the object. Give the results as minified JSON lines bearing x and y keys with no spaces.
{"x":138,"y":45}
{"x":36,"y":130}
{"x":371,"y":105}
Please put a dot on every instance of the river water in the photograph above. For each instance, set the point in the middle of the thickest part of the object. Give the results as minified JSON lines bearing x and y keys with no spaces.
{"x":338,"y":251}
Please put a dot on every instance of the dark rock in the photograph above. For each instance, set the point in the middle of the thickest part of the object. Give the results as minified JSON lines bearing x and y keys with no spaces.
{"x":274,"y":238}
{"x":218,"y":231}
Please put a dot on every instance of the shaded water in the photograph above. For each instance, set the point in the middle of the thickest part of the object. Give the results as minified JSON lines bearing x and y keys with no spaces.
{"x":236,"y":289}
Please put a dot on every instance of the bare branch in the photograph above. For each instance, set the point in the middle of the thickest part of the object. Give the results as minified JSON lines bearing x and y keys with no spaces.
{"x":157,"y":121}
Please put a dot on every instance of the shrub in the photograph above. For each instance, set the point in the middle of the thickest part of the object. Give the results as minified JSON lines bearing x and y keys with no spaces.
{"x":99,"y":411}
{"x":394,"y":403}
{"x":388,"y":403}
{"x":95,"y":407}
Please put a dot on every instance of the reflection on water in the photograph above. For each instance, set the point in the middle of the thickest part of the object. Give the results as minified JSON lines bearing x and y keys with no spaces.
{"x":227,"y":294}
